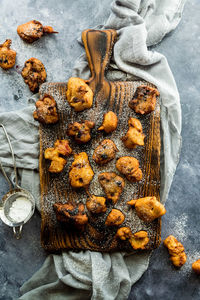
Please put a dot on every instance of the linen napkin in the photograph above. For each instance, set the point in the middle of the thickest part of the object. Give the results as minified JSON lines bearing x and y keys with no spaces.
{"x":87,"y":274}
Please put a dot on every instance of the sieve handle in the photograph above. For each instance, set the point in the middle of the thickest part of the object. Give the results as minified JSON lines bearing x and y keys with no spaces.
{"x":14,"y":161}
{"x":18,"y":232}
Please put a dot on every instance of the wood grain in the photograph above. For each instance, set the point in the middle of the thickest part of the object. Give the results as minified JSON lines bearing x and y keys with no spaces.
{"x":55,"y":187}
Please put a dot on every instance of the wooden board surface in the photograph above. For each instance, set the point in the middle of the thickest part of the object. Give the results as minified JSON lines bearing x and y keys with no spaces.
{"x":56,"y":188}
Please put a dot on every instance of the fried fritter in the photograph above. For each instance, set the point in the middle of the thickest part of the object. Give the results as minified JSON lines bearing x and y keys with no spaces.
{"x":115,"y":218}
{"x":33,"y":30}
{"x":148,"y":208}
{"x":46,"y":110}
{"x":57,"y":162}
{"x":176,"y":250}
{"x":96,"y":204}
{"x":139,"y":240}
{"x":129,"y":166}
{"x":73,"y":215}
{"x":144,"y":100}
{"x":134,"y":135}
{"x":81,"y":172}
{"x":7,"y":55}
{"x":109,"y":122}
{"x":81,"y":131}
{"x":34,"y":73}
{"x":124,"y":233}
{"x":196,"y":267}
{"x":105,"y":152}
{"x":112,"y":184}
{"x":79,"y":94}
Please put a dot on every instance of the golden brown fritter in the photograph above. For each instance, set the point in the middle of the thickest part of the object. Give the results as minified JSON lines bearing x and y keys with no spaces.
{"x":7,"y":55}
{"x":129,"y":166}
{"x":139,"y":240}
{"x":134,"y":136}
{"x":34,"y":73}
{"x":196,"y":267}
{"x":96,"y":204}
{"x":105,"y":152}
{"x":57,"y":162}
{"x":112,"y":184}
{"x":81,"y":131}
{"x":33,"y":30}
{"x":144,"y":100}
{"x":148,"y":208}
{"x":79,"y":94}
{"x":124,"y":233}
{"x":81,"y":172}
{"x":46,"y":110}
{"x":176,"y":250}
{"x":115,"y":218}
{"x":73,"y":215}
{"x":109,"y":122}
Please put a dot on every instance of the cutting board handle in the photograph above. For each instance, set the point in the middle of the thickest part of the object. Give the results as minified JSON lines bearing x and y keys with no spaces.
{"x":98,"y":46}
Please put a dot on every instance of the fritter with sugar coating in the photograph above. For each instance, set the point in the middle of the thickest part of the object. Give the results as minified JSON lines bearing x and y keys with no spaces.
{"x":148,"y":208}
{"x":124,"y":233}
{"x":46,"y":110}
{"x":109,"y":122}
{"x":129,"y":166}
{"x":176,"y":250}
{"x":81,"y":172}
{"x":112,"y":184}
{"x":105,"y":152}
{"x":33,"y":30}
{"x":57,"y":162}
{"x":34,"y":73}
{"x":7,"y":55}
{"x":139,"y":240}
{"x":79,"y":94}
{"x":81,"y":131}
{"x":144,"y":100}
{"x":196,"y":267}
{"x":134,"y":135}
{"x":73,"y":215}
{"x":115,"y":218}
{"x":96,"y":204}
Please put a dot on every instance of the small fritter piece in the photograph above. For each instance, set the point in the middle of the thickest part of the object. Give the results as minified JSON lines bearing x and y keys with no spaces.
{"x":7,"y":55}
{"x":139,"y":240}
{"x":148,"y":208}
{"x":73,"y":215}
{"x":33,"y":30}
{"x":46,"y":110}
{"x":196,"y":267}
{"x":124,"y":233}
{"x":112,"y":184}
{"x":176,"y":250}
{"x":79,"y":94}
{"x":105,"y":152}
{"x":34,"y":73}
{"x":57,"y":162}
{"x":81,"y":172}
{"x":134,"y":135}
{"x":144,"y":100}
{"x":129,"y":166}
{"x":96,"y":204}
{"x":115,"y":218}
{"x":81,"y":131}
{"x":109,"y":122}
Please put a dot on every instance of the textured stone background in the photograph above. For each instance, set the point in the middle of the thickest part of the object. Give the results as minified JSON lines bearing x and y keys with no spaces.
{"x":20,"y":259}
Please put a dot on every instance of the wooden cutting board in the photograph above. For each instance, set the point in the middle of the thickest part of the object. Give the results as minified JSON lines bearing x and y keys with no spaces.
{"x":55,"y":187}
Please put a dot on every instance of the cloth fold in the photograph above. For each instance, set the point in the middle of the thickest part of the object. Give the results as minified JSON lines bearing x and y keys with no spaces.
{"x":93,"y":275}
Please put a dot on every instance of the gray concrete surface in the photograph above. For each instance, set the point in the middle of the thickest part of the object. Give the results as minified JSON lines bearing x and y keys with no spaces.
{"x":20,"y":259}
